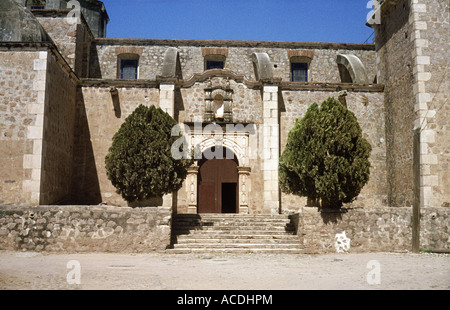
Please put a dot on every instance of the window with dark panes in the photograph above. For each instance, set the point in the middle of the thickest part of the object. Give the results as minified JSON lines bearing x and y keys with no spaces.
{"x":128,"y":69}
{"x":210,"y":64}
{"x":36,"y":4}
{"x":299,"y":72}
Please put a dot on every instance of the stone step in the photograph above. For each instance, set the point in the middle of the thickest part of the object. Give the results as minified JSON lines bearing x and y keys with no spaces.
{"x":231,"y":215}
{"x":234,"y":217}
{"x":233,"y":233}
{"x":211,"y":217}
{"x":237,"y":245}
{"x":232,"y":223}
{"x":233,"y":251}
{"x":238,"y":239}
{"x":182,"y":229}
{"x":220,"y":233}
{"x":219,"y":242}
{"x":230,"y":219}
{"x":187,"y":229}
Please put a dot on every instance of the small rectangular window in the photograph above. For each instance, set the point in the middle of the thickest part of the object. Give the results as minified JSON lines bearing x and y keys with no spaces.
{"x":128,"y":69}
{"x":299,"y":72}
{"x":37,"y":7}
{"x":214,"y":64}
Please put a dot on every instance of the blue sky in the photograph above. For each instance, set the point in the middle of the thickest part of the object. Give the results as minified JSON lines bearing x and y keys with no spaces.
{"x":268,"y":20}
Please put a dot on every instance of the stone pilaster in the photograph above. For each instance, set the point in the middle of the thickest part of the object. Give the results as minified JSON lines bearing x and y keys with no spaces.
{"x":167,"y":104}
{"x":244,"y":189}
{"x":35,"y":132}
{"x":191,"y":189}
{"x":270,"y":150}
{"x":167,"y":98}
{"x":423,"y":115}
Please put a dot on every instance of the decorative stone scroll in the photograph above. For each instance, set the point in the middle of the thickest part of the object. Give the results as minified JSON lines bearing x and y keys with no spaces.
{"x":263,"y":66}
{"x":355,"y":68}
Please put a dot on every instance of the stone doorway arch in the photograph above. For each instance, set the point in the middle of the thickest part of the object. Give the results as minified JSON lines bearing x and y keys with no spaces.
{"x":234,"y":142}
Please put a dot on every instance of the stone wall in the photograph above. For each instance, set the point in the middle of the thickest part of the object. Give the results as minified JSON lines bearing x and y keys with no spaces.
{"x":412,"y":57}
{"x":17,"y":98}
{"x":71,"y":229}
{"x":323,"y":66}
{"x":435,"y":229}
{"x":374,"y":229}
{"x":63,"y":32}
{"x":99,"y":116}
{"x":431,"y":88}
{"x":395,"y":71}
{"x":58,"y":131}
{"x":72,"y":37}
{"x":247,"y":103}
{"x":37,"y":127}
{"x":369,"y":110}
{"x":84,"y":229}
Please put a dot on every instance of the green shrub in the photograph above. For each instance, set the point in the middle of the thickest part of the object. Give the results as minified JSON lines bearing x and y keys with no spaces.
{"x":326,"y":156}
{"x":139,"y":163}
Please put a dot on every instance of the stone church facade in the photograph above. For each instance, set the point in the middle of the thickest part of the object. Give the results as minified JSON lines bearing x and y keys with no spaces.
{"x":65,"y":89}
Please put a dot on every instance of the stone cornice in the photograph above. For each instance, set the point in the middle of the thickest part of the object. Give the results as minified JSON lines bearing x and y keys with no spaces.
{"x":119,"y":83}
{"x":299,"y":86}
{"x":235,"y":43}
{"x":332,"y":87}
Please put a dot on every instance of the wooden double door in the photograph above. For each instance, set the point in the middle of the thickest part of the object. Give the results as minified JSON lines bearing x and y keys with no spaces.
{"x":218,"y":182}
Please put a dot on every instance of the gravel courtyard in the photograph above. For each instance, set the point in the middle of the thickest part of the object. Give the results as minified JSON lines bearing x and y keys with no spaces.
{"x":369,"y":271}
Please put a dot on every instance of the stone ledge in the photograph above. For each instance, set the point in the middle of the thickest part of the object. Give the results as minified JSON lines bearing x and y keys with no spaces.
{"x":201,"y":77}
{"x":236,"y":43}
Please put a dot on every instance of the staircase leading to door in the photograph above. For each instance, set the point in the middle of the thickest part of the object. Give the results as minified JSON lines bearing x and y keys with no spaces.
{"x":233,"y":233}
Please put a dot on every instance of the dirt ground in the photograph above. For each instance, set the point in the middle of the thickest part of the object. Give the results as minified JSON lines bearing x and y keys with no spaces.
{"x":369,"y":271}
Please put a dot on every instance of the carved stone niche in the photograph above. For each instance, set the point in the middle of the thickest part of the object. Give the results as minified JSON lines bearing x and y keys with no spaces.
{"x":218,"y":101}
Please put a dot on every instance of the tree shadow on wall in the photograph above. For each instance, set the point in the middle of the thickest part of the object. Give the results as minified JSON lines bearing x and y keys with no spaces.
{"x":85,"y":189}
{"x":328,"y":215}
{"x":179,"y":104}
{"x":94,"y":65}
{"x":333,"y":216}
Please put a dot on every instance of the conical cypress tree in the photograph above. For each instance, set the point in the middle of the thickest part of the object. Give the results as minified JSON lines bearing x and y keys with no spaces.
{"x":139,"y":163}
{"x":326,"y":156}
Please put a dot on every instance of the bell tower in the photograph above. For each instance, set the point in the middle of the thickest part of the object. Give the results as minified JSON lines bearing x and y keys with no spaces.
{"x":94,"y":11}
